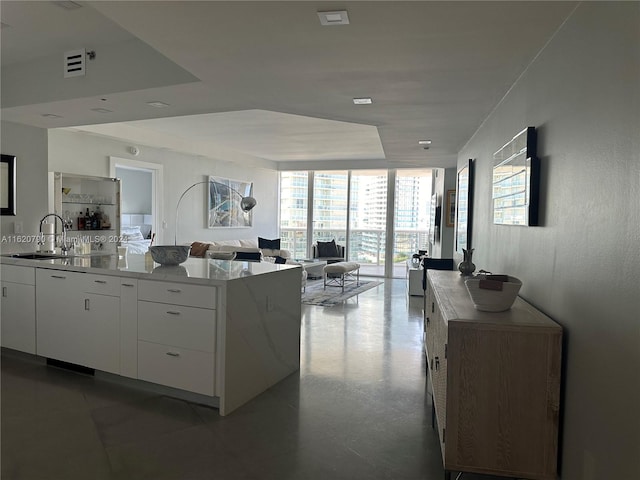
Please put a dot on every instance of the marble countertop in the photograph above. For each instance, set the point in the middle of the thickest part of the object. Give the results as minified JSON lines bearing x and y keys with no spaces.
{"x":194,"y":270}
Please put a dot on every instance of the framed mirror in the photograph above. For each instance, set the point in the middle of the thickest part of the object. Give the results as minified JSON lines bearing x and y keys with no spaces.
{"x":516,"y":179}
{"x":8,"y":185}
{"x":464,"y":206}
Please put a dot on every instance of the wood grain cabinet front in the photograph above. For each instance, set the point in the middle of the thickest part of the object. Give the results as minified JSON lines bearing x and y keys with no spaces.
{"x":495,"y":379}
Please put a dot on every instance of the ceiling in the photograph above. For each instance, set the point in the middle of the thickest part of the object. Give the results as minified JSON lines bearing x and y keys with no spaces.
{"x":266,"y":79}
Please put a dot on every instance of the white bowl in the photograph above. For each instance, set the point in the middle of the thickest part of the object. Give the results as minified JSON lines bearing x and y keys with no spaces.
{"x":170,"y":254}
{"x":489,"y":300}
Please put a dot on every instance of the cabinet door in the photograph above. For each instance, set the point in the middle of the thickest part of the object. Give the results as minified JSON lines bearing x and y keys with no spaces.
{"x":129,"y":327}
{"x":100,"y":332}
{"x":19,"y":317}
{"x":58,"y":313}
{"x":439,"y":369}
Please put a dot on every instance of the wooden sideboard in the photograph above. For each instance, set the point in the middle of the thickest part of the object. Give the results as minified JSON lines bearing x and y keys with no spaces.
{"x":495,"y":379}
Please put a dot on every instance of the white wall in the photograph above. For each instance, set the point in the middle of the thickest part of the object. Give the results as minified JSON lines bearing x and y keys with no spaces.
{"x":581,"y":265}
{"x":75,"y":152}
{"x":29,"y":145}
{"x":136,"y":190}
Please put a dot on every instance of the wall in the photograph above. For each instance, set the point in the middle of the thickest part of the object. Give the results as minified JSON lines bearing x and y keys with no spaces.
{"x":29,"y":145}
{"x":581,"y":265}
{"x":76,"y":152}
{"x":137,"y":198}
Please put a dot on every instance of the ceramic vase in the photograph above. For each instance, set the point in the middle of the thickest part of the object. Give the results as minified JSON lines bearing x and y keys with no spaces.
{"x":466,"y":266}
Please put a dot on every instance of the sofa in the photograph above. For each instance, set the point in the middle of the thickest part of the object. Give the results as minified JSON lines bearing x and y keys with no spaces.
{"x":246,"y":249}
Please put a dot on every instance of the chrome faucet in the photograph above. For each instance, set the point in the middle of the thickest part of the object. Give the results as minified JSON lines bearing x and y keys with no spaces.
{"x":64,"y":248}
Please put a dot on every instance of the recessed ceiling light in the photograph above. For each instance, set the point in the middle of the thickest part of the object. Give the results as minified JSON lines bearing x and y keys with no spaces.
{"x":101,"y":110}
{"x":158,"y":104}
{"x":362,"y":101}
{"x":424,"y":144}
{"x":50,"y":115}
{"x":334,"y":18}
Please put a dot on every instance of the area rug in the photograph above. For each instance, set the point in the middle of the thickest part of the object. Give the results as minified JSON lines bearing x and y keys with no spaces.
{"x":316,"y":294}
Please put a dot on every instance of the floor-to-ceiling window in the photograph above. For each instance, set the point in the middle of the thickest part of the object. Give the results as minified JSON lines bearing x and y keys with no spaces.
{"x":368,"y":220}
{"x":411,"y":216}
{"x":294,"y":188}
{"x":330,"y":207}
{"x":380,"y":227}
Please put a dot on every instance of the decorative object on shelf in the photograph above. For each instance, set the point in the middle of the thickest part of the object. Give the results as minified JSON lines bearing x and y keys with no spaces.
{"x":466,"y":266}
{"x":230,"y":203}
{"x":464,"y":206}
{"x":246,"y":202}
{"x":8,"y":185}
{"x":516,"y":181}
{"x":170,"y":254}
{"x":493,"y":293}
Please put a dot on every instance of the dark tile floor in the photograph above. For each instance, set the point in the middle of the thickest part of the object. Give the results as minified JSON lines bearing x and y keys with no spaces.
{"x":358,"y":409}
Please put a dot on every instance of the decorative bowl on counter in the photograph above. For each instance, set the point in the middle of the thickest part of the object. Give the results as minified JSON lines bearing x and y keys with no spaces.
{"x":170,"y":254}
{"x":493,"y":293}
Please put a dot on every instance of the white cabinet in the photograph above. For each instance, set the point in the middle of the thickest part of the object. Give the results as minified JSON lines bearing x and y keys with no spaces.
{"x":78,"y":197}
{"x":414,"y":280}
{"x":18,"y":308}
{"x":78,"y":318}
{"x":496,"y":383}
{"x":129,"y":327}
{"x":176,"y":342}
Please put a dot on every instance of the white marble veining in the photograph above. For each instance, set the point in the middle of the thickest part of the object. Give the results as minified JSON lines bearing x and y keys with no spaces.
{"x":194,"y":270}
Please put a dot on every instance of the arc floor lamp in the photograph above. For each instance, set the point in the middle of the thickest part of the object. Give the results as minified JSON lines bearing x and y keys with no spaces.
{"x":246,"y":203}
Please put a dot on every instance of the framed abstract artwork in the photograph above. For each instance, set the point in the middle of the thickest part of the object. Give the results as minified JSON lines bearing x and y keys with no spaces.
{"x":224,"y":203}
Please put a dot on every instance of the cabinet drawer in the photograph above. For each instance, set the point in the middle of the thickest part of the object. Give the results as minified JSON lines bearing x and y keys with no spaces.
{"x":25,"y":275}
{"x":102,"y":285}
{"x":176,"y":367}
{"x":177,"y":293}
{"x":186,"y":327}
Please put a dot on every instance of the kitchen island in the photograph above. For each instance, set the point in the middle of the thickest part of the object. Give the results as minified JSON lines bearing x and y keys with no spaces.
{"x":212,"y":331}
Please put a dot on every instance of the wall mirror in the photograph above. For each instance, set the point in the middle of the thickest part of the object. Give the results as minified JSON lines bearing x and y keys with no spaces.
{"x":464,"y":206}
{"x":516,"y":178}
{"x":8,"y":185}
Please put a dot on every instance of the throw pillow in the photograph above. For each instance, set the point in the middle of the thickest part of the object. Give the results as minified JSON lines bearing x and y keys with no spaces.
{"x":327,"y":249}
{"x":199,"y":249}
{"x":248,"y":256}
{"x":270,"y":244}
{"x":280,"y":260}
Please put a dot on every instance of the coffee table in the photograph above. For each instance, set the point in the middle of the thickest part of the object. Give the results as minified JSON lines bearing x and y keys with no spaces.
{"x":313,"y":267}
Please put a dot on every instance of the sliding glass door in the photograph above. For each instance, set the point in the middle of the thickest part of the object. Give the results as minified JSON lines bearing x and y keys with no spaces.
{"x":330,"y":207}
{"x":368,"y":220}
{"x":294,"y":203}
{"x":411,"y":216}
{"x":381,"y":216}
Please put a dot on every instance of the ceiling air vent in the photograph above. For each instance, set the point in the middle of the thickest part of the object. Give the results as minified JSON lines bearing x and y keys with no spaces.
{"x":74,"y":63}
